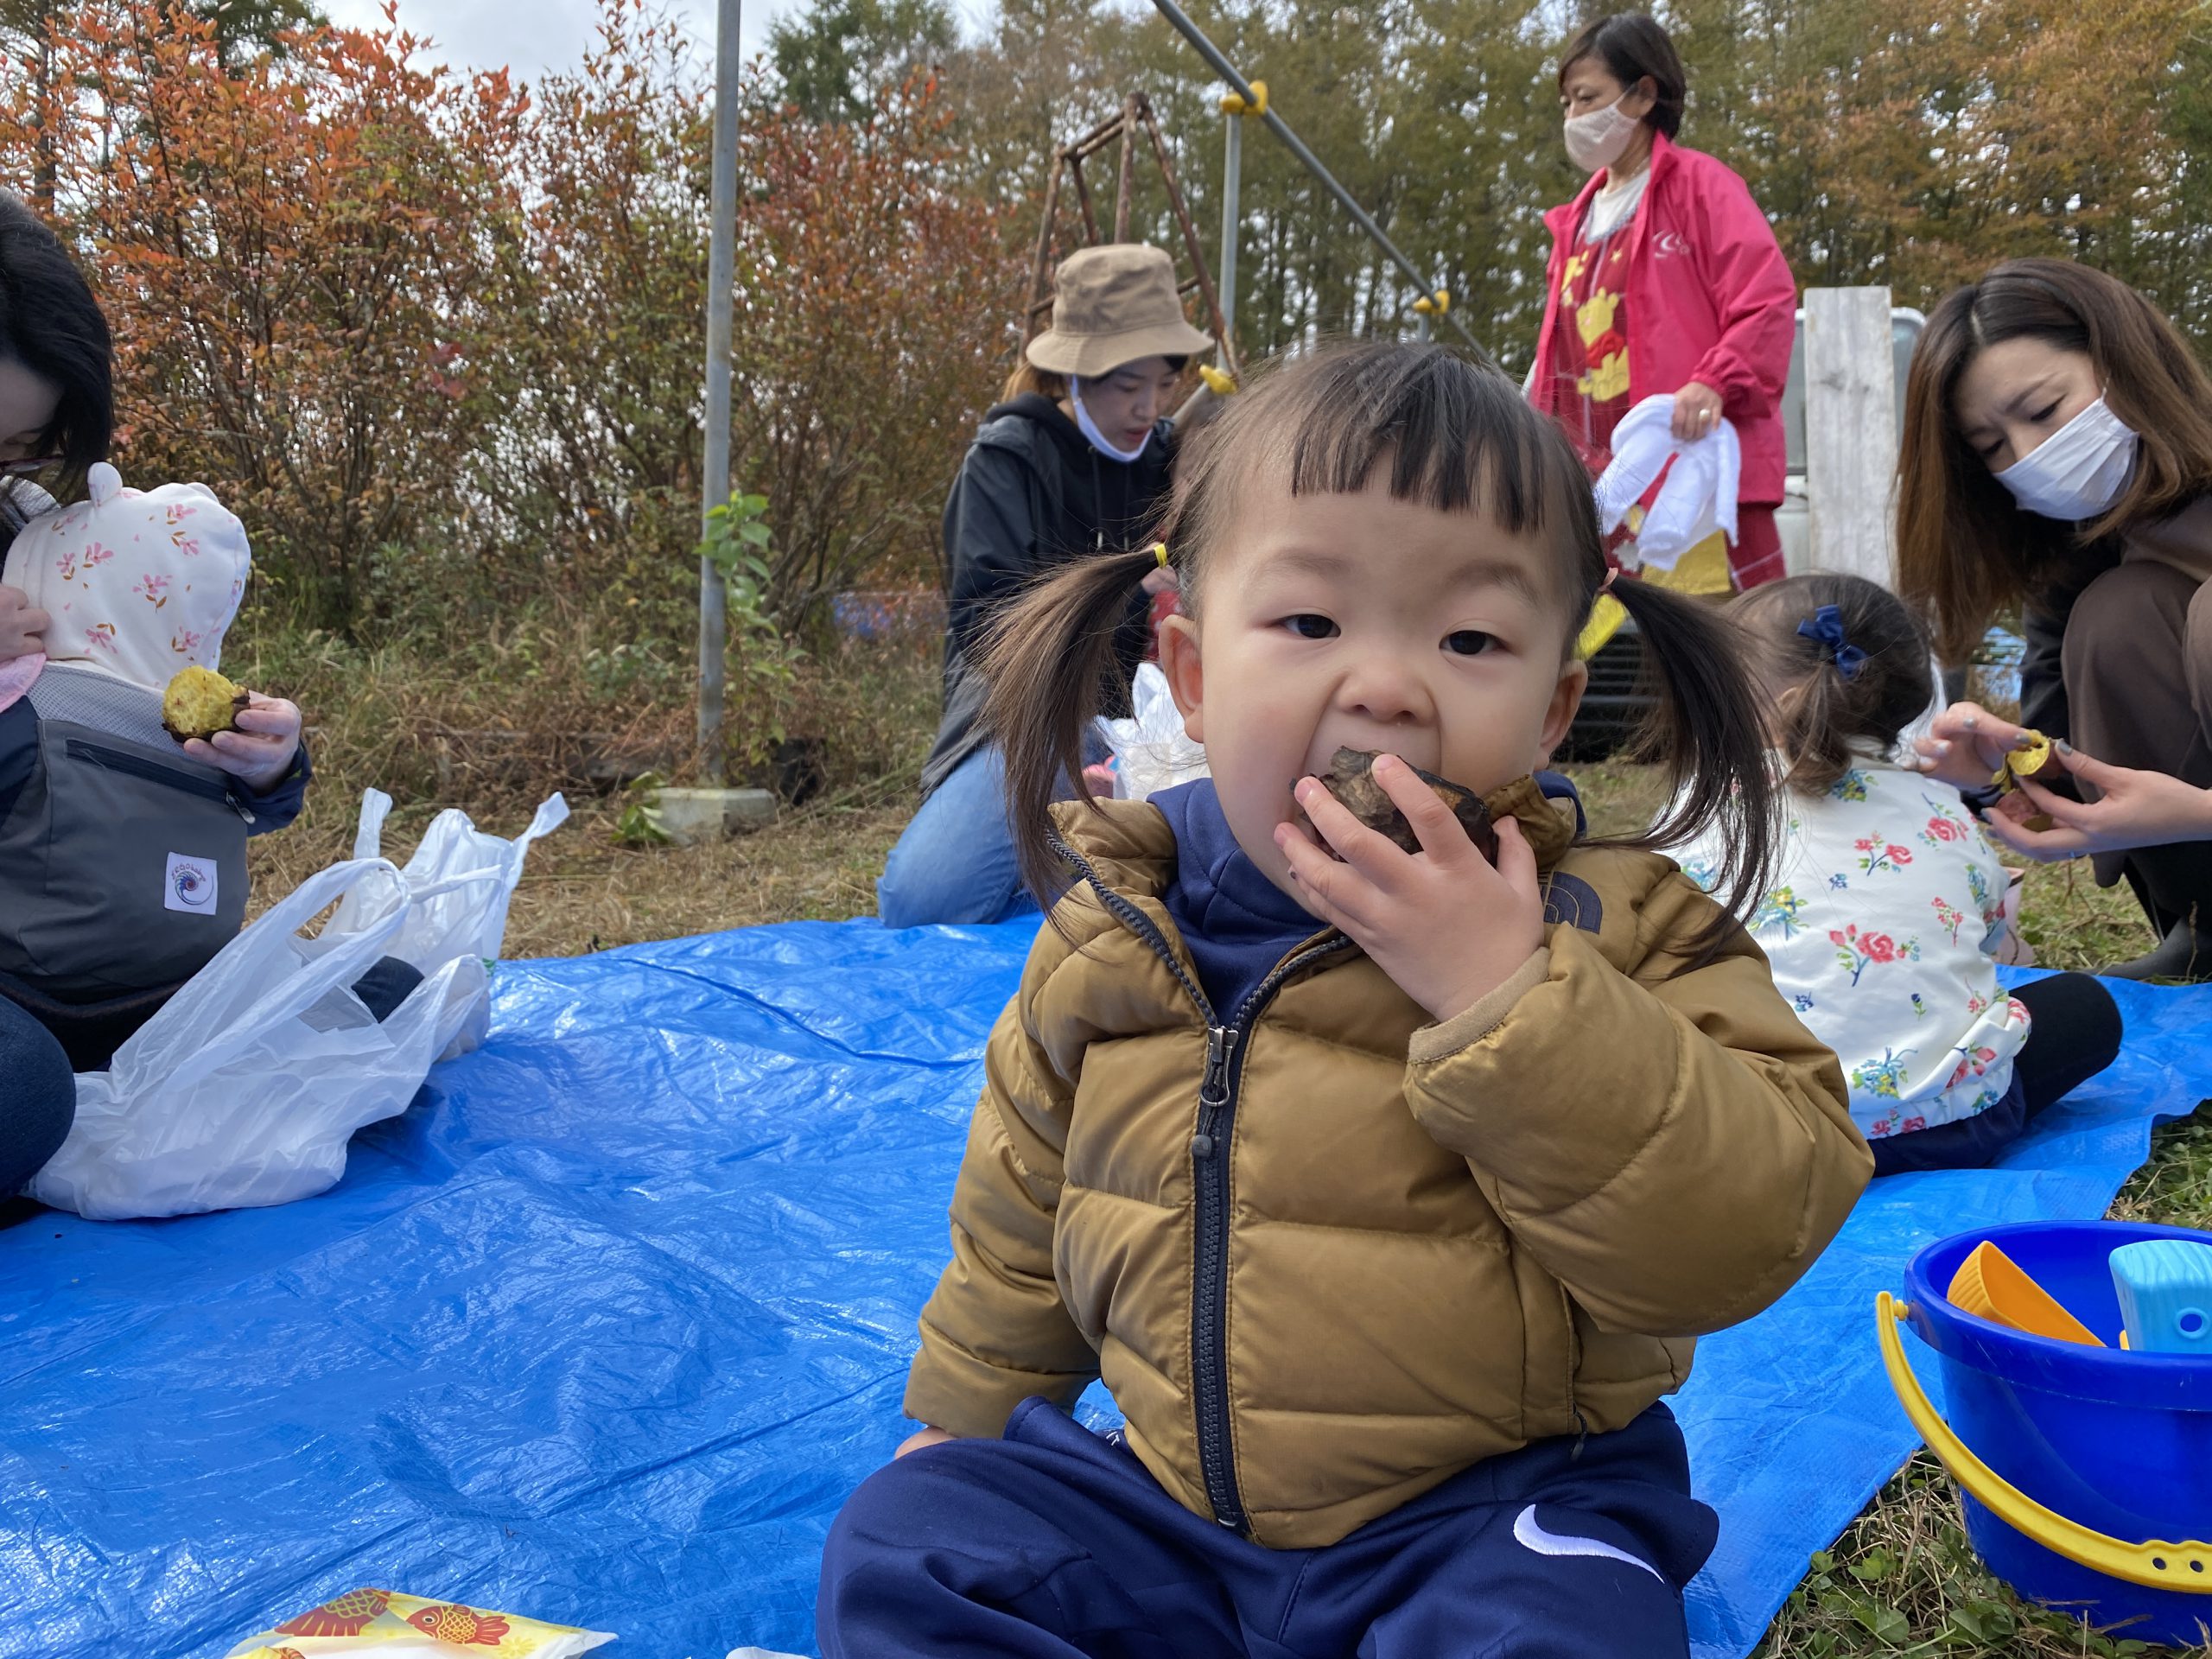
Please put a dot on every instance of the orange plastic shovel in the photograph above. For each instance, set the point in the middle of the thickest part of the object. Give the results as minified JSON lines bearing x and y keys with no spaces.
{"x":1990,"y":1285}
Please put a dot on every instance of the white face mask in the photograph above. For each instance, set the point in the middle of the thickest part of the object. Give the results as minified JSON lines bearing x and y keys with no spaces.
{"x":1597,"y":139}
{"x":1089,"y":428}
{"x":2078,"y":471}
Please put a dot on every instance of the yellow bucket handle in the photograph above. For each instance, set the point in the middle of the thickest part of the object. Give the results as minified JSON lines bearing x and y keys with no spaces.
{"x":2186,"y":1566}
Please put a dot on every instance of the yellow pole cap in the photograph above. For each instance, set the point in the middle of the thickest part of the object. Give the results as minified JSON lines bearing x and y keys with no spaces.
{"x":1218,"y":381}
{"x":1237,"y":104}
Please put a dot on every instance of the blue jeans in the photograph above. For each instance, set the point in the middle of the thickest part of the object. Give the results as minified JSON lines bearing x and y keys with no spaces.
{"x":955,"y":863}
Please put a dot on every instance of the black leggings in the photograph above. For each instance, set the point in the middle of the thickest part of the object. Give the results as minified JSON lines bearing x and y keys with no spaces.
{"x":2075,"y":1034}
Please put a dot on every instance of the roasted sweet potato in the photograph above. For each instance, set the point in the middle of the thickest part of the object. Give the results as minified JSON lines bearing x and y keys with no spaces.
{"x":200,"y":702}
{"x":1350,"y":778}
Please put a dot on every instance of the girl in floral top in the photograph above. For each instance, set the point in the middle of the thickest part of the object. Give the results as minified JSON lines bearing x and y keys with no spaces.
{"x":1888,"y":897}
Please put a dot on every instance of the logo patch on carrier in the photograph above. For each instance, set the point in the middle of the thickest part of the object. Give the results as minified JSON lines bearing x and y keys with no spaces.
{"x":190,"y":885}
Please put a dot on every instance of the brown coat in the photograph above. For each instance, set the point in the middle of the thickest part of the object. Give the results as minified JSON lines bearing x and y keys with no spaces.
{"x":1367,"y":1252}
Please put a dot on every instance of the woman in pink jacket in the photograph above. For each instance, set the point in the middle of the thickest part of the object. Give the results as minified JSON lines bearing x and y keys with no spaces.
{"x":1664,"y":277}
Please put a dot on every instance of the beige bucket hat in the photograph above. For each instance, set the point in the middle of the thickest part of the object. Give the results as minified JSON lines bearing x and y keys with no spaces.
{"x":1112,"y":305}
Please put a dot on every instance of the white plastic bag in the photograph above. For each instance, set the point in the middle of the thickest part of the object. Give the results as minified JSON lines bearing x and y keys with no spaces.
{"x":1151,"y":752}
{"x":244,"y":1089}
{"x":476,"y":873}
{"x":459,"y":882}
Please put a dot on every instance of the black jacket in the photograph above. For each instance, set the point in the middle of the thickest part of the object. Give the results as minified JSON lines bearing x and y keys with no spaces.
{"x":1033,"y":493}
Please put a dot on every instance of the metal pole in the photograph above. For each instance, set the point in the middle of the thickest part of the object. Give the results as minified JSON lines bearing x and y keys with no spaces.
{"x":1232,"y":179}
{"x":1129,"y":158}
{"x":1221,"y":66}
{"x":714,"y":482}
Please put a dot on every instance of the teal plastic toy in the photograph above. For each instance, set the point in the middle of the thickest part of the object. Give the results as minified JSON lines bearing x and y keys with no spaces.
{"x":2164,"y":1286}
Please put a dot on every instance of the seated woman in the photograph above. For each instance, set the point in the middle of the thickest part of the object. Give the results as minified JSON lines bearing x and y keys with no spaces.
{"x":1886,"y":904}
{"x":1073,"y":462}
{"x":89,"y":949}
{"x":57,"y":413}
{"x":2058,"y":454}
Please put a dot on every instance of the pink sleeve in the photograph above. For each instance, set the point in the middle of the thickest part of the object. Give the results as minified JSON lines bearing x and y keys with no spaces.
{"x":1752,"y":291}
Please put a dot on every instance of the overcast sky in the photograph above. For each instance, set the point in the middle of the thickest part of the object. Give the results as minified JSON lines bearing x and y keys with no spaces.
{"x":530,"y":36}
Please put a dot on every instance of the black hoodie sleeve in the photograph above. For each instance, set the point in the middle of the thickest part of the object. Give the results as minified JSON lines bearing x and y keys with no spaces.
{"x":990,"y":539}
{"x":2043,"y":683}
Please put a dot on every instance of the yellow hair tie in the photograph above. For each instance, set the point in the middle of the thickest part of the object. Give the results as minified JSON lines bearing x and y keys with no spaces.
{"x":1160,"y":555}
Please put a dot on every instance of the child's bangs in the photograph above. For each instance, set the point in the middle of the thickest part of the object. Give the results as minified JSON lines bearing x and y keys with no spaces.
{"x":1452,"y":437}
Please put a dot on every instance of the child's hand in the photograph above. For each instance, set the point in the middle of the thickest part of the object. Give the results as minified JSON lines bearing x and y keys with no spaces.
{"x":921,"y":1438}
{"x":1446,"y":927}
{"x":259,"y":752}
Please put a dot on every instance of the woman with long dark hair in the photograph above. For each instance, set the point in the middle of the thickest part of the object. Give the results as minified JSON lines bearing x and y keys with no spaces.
{"x":2058,"y":455}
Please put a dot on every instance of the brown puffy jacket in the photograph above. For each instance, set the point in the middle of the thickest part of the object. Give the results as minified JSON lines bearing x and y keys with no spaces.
{"x":1329,"y":1259}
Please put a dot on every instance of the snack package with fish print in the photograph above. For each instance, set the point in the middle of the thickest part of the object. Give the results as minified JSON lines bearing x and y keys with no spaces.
{"x":362,"y":1622}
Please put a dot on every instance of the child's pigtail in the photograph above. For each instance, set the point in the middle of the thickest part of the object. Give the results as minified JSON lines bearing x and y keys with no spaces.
{"x":1046,"y":663}
{"x":1814,"y":728}
{"x":1844,"y":665}
{"x":1709,"y":730}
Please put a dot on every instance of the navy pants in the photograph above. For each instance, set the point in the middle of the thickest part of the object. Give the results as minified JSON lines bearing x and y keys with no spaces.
{"x":2074,"y":1034}
{"x":1054,"y":1542}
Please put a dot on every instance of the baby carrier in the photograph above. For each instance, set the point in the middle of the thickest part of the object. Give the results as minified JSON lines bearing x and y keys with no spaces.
{"x":122,"y":862}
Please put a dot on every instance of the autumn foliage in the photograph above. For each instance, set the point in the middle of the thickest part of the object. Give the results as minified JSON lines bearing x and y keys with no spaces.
{"x":440,"y":340}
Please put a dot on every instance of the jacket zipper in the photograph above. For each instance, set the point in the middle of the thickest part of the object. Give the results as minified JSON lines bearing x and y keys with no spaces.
{"x":154,"y":772}
{"x":1209,"y":1149}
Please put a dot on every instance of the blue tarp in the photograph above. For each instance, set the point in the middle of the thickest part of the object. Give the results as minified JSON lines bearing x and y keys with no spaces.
{"x":604,"y":1328}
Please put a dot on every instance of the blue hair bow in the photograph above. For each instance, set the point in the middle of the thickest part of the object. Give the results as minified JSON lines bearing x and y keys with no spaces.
{"x":1825,"y":626}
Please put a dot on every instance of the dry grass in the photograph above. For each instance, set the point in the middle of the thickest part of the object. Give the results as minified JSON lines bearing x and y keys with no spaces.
{"x":582,"y":890}
{"x":527,"y":700}
{"x":1902,"y":1580}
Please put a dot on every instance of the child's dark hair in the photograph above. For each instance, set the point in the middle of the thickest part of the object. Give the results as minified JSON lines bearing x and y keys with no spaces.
{"x":1825,"y":694}
{"x":51,"y":324}
{"x":1444,"y":432}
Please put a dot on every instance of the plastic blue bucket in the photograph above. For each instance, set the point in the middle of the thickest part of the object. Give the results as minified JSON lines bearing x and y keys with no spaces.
{"x":2117,"y":1442}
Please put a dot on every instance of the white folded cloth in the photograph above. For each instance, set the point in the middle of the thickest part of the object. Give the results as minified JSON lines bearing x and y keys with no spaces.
{"x":1699,"y":495}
